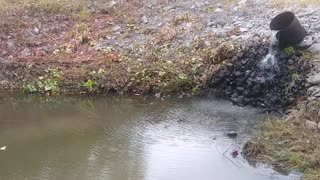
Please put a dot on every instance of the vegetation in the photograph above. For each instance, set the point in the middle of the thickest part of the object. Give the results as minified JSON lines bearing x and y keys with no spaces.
{"x":289,"y":144}
{"x":290,"y":50}
{"x":47,"y":84}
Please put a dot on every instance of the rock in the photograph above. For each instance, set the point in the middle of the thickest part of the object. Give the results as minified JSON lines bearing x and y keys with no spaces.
{"x":4,"y":83}
{"x":158,"y":95}
{"x":306,"y":43}
{"x":36,"y":31}
{"x":232,"y":134}
{"x":314,"y":91}
{"x":112,"y":3}
{"x":219,"y":10}
{"x":116,"y":28}
{"x":145,"y":19}
{"x":10,"y":45}
{"x":26,"y":52}
{"x":315,"y":48}
{"x":317,"y":27}
{"x":242,"y":2}
{"x":315,"y":79}
{"x":220,"y":33}
{"x":311,"y":125}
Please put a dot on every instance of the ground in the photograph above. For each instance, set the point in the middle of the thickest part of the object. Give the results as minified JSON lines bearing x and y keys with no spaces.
{"x":150,"y":47}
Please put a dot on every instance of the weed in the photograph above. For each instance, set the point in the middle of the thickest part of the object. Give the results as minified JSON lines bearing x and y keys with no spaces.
{"x":290,"y":51}
{"x":210,"y":10}
{"x":91,"y":85}
{"x":65,"y":49}
{"x":46,"y":84}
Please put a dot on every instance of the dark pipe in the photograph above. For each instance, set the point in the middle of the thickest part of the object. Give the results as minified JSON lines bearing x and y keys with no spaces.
{"x":290,"y":30}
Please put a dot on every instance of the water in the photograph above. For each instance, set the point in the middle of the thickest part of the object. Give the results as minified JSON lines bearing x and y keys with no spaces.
{"x":126,"y":139}
{"x":269,"y":61}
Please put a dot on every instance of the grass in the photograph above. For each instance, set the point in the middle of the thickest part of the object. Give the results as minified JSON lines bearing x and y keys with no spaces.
{"x":50,"y":6}
{"x":288,"y":145}
{"x":303,"y":3}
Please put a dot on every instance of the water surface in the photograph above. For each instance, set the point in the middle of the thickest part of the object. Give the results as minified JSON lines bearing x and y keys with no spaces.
{"x":117,"y":138}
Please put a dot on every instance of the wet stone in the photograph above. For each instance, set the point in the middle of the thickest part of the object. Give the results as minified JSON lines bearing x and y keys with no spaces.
{"x":232,"y":134}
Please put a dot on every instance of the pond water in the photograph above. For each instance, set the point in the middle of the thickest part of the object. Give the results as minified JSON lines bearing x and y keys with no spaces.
{"x":126,"y":138}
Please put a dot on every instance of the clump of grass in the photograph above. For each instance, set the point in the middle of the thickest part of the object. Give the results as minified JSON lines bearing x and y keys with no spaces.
{"x":48,"y":6}
{"x":303,"y":3}
{"x":287,"y":145}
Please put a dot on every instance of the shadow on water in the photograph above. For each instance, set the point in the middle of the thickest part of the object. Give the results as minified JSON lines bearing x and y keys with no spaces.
{"x":126,"y":138}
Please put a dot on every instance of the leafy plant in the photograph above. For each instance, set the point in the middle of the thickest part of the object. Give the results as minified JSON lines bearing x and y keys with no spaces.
{"x":290,"y":51}
{"x":90,"y":85}
{"x":48,"y":83}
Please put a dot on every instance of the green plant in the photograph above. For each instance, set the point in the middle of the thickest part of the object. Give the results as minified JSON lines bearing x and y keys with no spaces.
{"x":290,"y":50}
{"x":84,"y":14}
{"x":90,"y":85}
{"x":210,"y":10}
{"x":48,"y":83}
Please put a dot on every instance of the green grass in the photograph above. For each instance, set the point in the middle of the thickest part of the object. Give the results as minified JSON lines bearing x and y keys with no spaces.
{"x":288,"y":145}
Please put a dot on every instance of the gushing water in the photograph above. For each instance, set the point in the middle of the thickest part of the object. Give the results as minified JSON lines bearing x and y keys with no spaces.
{"x":270,"y":61}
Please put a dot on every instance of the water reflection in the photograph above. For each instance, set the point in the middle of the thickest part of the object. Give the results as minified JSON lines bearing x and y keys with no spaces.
{"x":125,"y":138}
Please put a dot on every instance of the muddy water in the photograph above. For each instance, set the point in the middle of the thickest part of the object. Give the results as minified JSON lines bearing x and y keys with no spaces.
{"x":126,"y":139}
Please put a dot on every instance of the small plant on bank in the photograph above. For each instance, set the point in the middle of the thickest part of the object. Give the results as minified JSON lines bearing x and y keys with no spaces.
{"x":290,"y":51}
{"x":95,"y":79}
{"x":46,"y":84}
{"x":91,"y":85}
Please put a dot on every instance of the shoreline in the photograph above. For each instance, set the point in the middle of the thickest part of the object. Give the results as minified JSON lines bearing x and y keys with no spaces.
{"x":159,"y":49}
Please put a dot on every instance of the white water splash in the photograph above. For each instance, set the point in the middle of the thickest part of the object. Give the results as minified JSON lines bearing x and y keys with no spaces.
{"x":270,"y":61}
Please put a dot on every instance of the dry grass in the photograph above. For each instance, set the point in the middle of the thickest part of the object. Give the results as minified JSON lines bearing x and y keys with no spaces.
{"x":303,"y":3}
{"x":287,"y":146}
{"x":46,"y":5}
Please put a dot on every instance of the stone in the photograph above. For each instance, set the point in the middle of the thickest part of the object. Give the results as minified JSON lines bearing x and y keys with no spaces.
{"x":306,"y":43}
{"x":26,"y":52}
{"x":314,"y":91}
{"x":242,"y":2}
{"x":311,"y":125}
{"x":232,"y":134}
{"x":116,"y":28}
{"x":10,"y":45}
{"x":315,"y":79}
{"x":145,"y":19}
{"x":112,"y":3}
{"x":158,"y":95}
{"x":36,"y":31}
{"x":219,"y":10}
{"x":315,"y":48}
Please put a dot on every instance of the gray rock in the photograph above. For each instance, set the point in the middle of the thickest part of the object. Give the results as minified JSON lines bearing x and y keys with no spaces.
{"x":4,"y":83}
{"x":26,"y":52}
{"x":317,"y":27}
{"x":220,"y":33}
{"x":315,"y":48}
{"x":112,"y":3}
{"x":306,"y":43}
{"x":219,"y":10}
{"x":145,"y":19}
{"x":314,"y":91}
{"x":315,"y":79}
{"x":116,"y":28}
{"x":311,"y":125}
{"x":232,"y":134}
{"x":242,"y":2}
{"x":10,"y":45}
{"x":158,"y":95}
{"x":36,"y":31}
